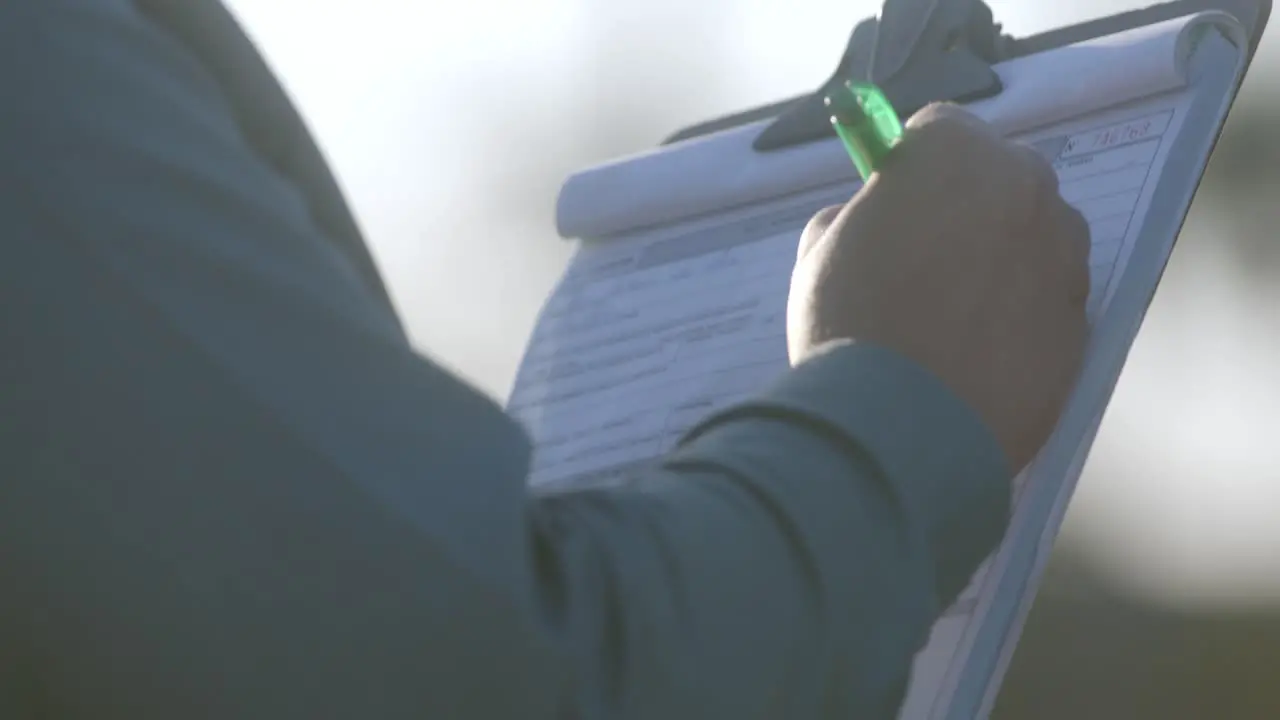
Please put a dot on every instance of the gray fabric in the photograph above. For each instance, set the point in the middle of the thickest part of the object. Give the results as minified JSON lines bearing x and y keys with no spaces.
{"x":230,"y":489}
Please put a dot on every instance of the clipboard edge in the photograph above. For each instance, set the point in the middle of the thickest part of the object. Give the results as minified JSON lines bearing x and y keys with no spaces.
{"x":1259,"y":10}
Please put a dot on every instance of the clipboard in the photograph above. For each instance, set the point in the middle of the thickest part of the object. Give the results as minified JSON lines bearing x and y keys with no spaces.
{"x":961,"y":32}
{"x":803,"y":119}
{"x":921,"y":51}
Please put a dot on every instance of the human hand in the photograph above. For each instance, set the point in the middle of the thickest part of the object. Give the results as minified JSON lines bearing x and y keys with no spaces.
{"x":961,"y":255}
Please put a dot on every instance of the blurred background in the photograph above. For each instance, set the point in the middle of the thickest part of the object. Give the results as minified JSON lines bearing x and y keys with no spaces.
{"x":452,"y":123}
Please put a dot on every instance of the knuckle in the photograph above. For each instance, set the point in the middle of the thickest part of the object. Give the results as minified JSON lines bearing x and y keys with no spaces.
{"x":1040,"y":170}
{"x":1075,"y":233}
{"x":1080,"y":274}
{"x":821,"y":221}
{"x":817,"y":228}
{"x":1074,"y":230}
{"x":1077,"y":227}
{"x":946,"y":124}
{"x":1080,"y":333}
{"x":926,"y":115}
{"x":948,"y":114}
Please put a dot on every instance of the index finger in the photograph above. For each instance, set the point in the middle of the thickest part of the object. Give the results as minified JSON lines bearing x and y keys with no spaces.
{"x":948,"y":112}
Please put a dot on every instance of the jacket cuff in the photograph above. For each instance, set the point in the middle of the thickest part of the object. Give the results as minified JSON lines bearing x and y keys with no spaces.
{"x":940,"y":462}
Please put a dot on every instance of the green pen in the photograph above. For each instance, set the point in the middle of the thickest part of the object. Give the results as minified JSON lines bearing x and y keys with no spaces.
{"x":866,"y":123}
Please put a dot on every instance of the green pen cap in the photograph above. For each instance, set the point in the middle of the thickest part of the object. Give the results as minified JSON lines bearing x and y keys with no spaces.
{"x":866,"y":123}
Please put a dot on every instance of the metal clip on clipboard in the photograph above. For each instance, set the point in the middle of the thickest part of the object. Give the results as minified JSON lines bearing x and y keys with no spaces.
{"x":917,"y":52}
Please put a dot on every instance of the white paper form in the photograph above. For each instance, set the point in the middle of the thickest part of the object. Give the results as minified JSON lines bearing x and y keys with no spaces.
{"x":646,"y":335}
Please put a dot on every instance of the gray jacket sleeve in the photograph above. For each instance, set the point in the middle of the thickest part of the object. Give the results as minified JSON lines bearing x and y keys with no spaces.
{"x":789,"y":558}
{"x":230,"y":488}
